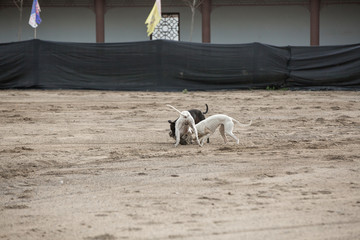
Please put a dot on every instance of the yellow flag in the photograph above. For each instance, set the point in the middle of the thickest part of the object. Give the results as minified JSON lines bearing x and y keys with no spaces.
{"x":154,"y":17}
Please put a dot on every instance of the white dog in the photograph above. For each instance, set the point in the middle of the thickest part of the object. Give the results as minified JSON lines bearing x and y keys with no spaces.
{"x":183,"y":126}
{"x":207,"y":127}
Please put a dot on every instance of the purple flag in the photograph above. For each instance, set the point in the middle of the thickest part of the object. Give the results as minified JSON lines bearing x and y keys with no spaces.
{"x":35,"y":19}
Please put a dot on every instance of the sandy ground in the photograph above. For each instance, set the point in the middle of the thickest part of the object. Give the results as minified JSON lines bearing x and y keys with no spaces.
{"x":99,"y":165}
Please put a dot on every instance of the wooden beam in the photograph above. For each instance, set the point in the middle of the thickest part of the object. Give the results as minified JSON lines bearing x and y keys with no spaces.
{"x":314,"y":22}
{"x":206,"y":11}
{"x":100,"y":20}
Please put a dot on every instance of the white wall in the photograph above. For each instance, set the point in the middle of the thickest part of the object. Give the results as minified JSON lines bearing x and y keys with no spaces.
{"x":58,"y":24}
{"x":125,"y":25}
{"x":340,"y":24}
{"x":9,"y":20}
{"x":275,"y":25}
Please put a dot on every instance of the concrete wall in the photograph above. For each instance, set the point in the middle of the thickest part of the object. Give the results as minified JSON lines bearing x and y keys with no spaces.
{"x":340,"y":24}
{"x":275,"y":25}
{"x":58,"y":24}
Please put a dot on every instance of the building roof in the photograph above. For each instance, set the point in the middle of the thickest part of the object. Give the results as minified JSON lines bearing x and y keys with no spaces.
{"x":166,"y":3}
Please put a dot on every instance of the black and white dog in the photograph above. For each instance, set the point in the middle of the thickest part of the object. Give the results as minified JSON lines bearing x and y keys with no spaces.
{"x":198,"y":116}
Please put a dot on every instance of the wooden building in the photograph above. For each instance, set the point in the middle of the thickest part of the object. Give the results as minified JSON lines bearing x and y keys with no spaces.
{"x":274,"y":22}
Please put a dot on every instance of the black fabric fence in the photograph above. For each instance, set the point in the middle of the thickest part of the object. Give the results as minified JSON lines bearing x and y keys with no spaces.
{"x":174,"y":66}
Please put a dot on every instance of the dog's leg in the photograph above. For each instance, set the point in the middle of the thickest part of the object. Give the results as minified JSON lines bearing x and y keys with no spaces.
{"x":177,"y":135}
{"x":202,"y":141}
{"x":196,"y":135}
{"x":206,"y":135}
{"x":234,"y":137}
{"x":210,"y":133}
{"x":195,"y":130}
{"x":229,"y":132}
{"x":228,"y":127}
{"x":222,"y":132}
{"x":203,"y":138}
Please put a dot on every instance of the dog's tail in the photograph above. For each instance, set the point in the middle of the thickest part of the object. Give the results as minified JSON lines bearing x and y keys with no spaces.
{"x":241,"y":124}
{"x":173,"y":108}
{"x":207,"y":108}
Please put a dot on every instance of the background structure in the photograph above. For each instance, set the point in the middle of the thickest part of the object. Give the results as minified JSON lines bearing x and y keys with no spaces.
{"x":275,"y":22}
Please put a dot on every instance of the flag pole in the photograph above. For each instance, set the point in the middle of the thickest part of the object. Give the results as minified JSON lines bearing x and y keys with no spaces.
{"x":35,"y":19}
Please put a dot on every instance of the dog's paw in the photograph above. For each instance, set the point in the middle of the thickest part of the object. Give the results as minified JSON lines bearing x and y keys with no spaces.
{"x":183,"y":141}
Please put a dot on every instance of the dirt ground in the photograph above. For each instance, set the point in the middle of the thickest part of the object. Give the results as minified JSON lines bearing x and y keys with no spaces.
{"x":100,"y":165}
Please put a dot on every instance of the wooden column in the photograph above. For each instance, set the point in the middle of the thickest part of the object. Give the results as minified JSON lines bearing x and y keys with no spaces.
{"x":205,"y":12}
{"x":100,"y":20}
{"x":314,"y":22}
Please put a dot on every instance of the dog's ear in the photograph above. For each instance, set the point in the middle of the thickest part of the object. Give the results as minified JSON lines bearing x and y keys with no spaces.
{"x":170,"y":121}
